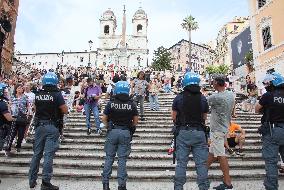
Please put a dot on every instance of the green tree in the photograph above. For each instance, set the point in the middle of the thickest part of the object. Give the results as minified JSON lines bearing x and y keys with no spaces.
{"x":162,"y":59}
{"x":223,"y":69}
{"x":189,"y":24}
{"x":219,"y":69}
{"x":211,"y":69}
{"x":249,"y":61}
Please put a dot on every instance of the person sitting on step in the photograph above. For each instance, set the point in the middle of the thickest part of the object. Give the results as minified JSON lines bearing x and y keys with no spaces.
{"x":236,"y":136}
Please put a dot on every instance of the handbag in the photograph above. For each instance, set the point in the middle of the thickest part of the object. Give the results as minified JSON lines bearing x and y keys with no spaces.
{"x":22,"y":119}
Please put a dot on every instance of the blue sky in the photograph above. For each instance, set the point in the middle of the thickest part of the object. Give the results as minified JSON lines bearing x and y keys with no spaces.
{"x":56,"y":25}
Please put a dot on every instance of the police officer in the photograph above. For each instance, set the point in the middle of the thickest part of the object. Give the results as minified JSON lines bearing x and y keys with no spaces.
{"x":189,"y":111}
{"x":271,"y":104}
{"x":49,"y":105}
{"x":120,"y":116}
{"x":5,"y":116}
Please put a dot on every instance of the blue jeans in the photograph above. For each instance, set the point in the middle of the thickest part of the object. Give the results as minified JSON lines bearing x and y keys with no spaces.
{"x":89,"y":108}
{"x":167,"y":88}
{"x":154,"y":104}
{"x":117,"y":141}
{"x":140,"y":99}
{"x":46,"y":140}
{"x":191,"y":141}
{"x":270,"y":149}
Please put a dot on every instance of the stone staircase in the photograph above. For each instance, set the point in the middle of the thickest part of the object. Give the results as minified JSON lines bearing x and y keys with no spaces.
{"x":82,"y":156}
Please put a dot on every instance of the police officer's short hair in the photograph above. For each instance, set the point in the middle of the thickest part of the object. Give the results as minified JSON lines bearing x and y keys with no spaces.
{"x":220,"y":79}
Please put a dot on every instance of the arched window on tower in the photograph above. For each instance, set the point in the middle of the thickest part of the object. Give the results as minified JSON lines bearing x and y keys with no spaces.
{"x":139,"y":28}
{"x":106,"y":29}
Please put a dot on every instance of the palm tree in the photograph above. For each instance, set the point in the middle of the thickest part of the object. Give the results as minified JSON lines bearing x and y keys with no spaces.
{"x":189,"y":24}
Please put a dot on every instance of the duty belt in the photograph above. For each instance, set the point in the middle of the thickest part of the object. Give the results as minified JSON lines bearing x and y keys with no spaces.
{"x":191,"y":128}
{"x":46,"y":122}
{"x":120,"y":127}
{"x":278,"y":124}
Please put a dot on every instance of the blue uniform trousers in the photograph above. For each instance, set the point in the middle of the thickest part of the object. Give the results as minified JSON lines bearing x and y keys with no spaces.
{"x":191,"y":141}
{"x":270,"y":150}
{"x":117,"y":141}
{"x":46,"y":141}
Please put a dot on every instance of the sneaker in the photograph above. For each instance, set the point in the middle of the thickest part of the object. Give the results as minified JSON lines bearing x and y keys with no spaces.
{"x":281,"y":170}
{"x":99,"y":131}
{"x":171,"y":151}
{"x":48,"y":186}
{"x":240,"y":152}
{"x":88,"y":131}
{"x":33,"y":185}
{"x":8,"y":153}
{"x":223,"y":186}
{"x":102,"y":125}
{"x":231,"y":151}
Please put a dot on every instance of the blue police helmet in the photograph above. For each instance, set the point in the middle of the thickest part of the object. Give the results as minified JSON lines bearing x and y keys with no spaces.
{"x":50,"y":78}
{"x":267,"y":80}
{"x":121,"y":87}
{"x":190,"y":78}
{"x":278,"y":79}
{"x":2,"y":88}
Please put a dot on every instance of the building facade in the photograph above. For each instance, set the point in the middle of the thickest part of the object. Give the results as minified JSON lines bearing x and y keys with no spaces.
{"x":8,"y":19}
{"x":267,"y":36}
{"x":201,"y":57}
{"x":130,"y":51}
{"x":224,"y":38}
{"x":57,"y":60}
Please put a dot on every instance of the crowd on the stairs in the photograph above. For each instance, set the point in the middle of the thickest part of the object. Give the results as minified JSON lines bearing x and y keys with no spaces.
{"x":36,"y":103}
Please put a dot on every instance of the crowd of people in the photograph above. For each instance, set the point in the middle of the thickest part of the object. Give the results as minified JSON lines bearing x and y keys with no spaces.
{"x":41,"y":99}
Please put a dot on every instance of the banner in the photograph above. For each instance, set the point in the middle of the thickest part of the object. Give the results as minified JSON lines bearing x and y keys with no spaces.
{"x":240,"y":46}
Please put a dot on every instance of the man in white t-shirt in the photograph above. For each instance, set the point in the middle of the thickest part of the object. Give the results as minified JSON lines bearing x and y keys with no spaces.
{"x":31,"y":98}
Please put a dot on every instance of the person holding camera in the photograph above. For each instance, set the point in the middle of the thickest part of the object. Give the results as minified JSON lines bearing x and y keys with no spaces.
{"x":92,"y":94}
{"x":49,"y":107}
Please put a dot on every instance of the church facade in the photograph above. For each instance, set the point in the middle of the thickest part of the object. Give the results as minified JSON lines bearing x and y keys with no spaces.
{"x":123,"y":50}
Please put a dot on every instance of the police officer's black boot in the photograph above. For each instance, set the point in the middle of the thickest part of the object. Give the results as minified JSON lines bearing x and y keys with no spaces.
{"x":122,"y":187}
{"x":106,"y":186}
{"x":48,"y":186}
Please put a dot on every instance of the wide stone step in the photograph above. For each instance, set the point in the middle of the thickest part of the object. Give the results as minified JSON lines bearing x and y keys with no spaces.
{"x":146,"y":135}
{"x":160,"y":149}
{"x":148,"y":156}
{"x":132,"y":165}
{"x":141,"y":175}
{"x":137,"y":141}
{"x":157,"y":124}
{"x":160,"y":130}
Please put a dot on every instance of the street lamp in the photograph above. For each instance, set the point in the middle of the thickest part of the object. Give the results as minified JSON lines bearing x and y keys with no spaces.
{"x":90,"y":45}
{"x":139,"y":60}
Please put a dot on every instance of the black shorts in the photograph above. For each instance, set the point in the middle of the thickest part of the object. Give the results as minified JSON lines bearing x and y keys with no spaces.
{"x":232,"y":142}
